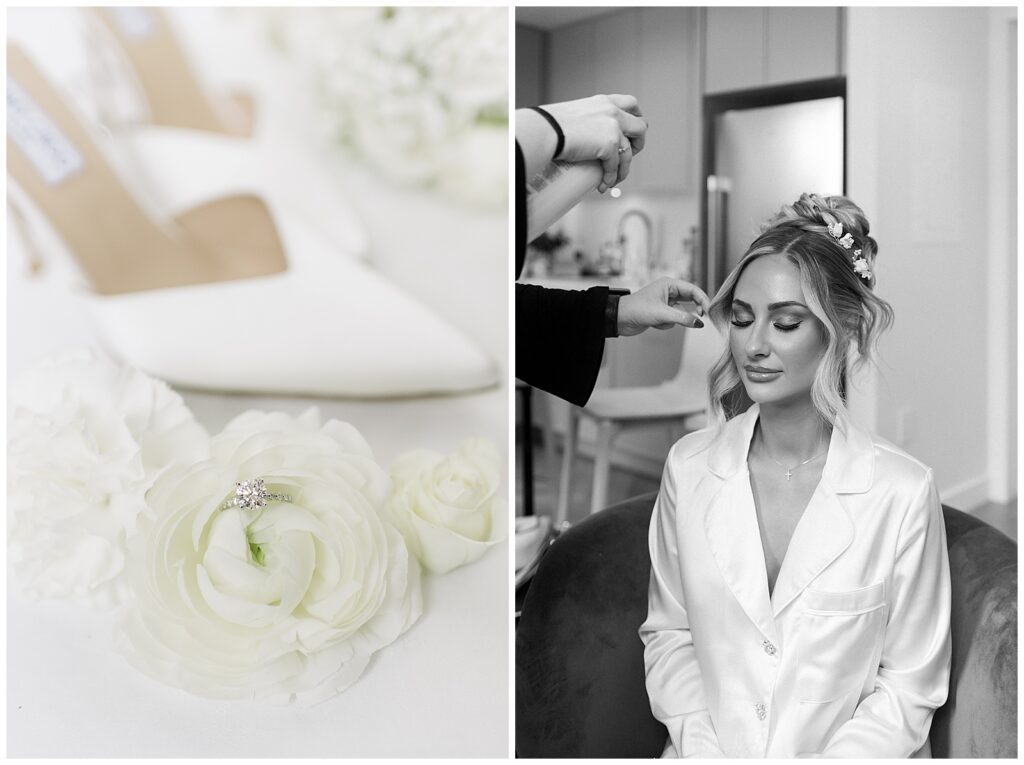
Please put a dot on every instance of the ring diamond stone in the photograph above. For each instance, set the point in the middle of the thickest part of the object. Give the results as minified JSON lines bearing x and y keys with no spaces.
{"x":253,"y":495}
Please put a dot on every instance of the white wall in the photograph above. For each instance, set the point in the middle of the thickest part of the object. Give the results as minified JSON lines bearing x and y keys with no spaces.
{"x":1002,"y":271}
{"x":918,"y":119}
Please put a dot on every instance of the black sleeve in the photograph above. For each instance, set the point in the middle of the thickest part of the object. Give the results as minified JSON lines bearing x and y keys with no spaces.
{"x":560,"y":339}
{"x":520,"y":210}
{"x":559,"y":333}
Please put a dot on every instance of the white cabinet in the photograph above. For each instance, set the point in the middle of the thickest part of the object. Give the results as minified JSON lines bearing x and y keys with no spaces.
{"x":571,"y":57}
{"x":529,"y":63}
{"x":651,"y":53}
{"x":617,"y":52}
{"x":733,"y":48}
{"x":755,"y":47}
{"x":803,"y":44}
{"x":669,"y":93}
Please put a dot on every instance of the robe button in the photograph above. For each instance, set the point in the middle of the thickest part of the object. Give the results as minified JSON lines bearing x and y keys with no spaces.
{"x":768,"y":648}
{"x":760,"y":711}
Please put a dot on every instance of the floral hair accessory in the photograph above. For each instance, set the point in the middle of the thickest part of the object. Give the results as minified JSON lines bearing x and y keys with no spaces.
{"x":861,"y":267}
{"x":859,"y":262}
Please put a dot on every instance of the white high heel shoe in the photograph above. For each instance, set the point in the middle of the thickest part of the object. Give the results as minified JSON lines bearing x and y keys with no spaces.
{"x":224,"y":296}
{"x":166,"y":118}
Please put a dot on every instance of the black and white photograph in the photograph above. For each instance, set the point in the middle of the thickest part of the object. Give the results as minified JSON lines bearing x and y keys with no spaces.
{"x":765,"y":353}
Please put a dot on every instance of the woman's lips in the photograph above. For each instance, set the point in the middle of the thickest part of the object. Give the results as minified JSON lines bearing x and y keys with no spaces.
{"x":761,"y":374}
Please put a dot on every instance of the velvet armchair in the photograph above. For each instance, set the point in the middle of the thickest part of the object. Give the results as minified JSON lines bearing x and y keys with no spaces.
{"x":579,"y":662}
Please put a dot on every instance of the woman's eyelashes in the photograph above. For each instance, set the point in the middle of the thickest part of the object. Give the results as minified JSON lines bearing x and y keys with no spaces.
{"x":783,"y":325}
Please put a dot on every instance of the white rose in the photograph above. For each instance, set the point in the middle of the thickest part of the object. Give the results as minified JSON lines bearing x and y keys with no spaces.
{"x":448,"y":508}
{"x":286,"y":603}
{"x":87,"y":438}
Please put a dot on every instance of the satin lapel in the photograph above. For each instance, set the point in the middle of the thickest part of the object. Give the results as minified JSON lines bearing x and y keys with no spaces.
{"x":823,"y":533}
{"x":826,"y":528}
{"x":730,"y":524}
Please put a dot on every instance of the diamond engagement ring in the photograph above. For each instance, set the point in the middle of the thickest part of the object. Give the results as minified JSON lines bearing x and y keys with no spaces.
{"x":253,"y":495}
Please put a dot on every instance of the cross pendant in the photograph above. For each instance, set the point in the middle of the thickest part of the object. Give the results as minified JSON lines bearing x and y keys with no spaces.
{"x":789,"y":474}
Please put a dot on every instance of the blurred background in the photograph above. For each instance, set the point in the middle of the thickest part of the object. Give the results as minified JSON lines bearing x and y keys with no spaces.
{"x":401,"y":113}
{"x":909,"y":111}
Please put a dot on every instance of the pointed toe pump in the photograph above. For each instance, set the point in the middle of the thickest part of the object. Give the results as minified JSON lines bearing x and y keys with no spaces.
{"x":225,"y":294}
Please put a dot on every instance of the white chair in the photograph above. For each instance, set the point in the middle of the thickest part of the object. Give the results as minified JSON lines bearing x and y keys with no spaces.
{"x":680,"y":402}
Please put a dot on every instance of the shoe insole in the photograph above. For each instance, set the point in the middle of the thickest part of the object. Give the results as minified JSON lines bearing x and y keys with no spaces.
{"x":173,"y":93}
{"x":117,"y":244}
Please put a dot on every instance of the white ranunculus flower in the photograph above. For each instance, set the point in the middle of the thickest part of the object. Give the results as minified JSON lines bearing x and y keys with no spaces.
{"x":86,"y":439}
{"x":287,"y":603}
{"x":448,"y":508}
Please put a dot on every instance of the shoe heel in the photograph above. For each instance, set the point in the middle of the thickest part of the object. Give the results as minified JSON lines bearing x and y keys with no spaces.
{"x":115,"y":91}
{"x":144,"y":56}
{"x":118,"y":243}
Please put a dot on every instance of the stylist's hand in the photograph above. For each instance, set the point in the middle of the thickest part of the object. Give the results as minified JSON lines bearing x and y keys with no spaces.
{"x":597,"y":128}
{"x":656,"y":305}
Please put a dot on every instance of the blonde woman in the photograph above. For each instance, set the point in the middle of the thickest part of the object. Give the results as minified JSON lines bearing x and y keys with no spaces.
{"x":799,"y":597}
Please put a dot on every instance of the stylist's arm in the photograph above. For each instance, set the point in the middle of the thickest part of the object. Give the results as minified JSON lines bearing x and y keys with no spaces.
{"x":606,"y":128}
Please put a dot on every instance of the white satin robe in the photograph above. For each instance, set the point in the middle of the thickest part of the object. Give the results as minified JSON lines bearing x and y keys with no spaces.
{"x":849,"y":657}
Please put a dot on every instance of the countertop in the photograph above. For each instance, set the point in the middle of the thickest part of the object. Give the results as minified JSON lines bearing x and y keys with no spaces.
{"x":581,"y":282}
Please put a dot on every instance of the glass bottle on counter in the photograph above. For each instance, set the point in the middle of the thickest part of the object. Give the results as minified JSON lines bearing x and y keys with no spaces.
{"x":685,"y":266}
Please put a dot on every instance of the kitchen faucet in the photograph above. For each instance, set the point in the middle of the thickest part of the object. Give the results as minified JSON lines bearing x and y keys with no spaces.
{"x":649,"y":248}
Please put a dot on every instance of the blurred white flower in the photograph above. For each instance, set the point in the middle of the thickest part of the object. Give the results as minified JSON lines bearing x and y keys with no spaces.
{"x":407,"y":89}
{"x":448,"y":508}
{"x":285,"y":603}
{"x":476,"y":171}
{"x":87,"y":437}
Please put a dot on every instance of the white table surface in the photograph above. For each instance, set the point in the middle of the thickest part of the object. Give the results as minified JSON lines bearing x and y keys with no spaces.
{"x":442,"y":689}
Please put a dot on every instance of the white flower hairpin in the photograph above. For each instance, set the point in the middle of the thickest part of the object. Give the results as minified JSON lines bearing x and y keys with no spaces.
{"x":860,"y":263}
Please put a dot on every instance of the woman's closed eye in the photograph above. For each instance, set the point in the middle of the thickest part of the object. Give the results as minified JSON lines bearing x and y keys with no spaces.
{"x":782,"y":326}
{"x":738,"y":319}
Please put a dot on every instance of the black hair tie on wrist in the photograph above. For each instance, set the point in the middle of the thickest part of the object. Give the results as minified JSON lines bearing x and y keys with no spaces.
{"x":559,"y":135}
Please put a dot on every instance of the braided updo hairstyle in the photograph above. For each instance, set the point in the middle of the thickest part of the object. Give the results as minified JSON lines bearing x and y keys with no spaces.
{"x":841,"y":298}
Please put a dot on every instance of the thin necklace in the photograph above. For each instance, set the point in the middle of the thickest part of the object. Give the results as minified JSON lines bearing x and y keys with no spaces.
{"x":789,"y":471}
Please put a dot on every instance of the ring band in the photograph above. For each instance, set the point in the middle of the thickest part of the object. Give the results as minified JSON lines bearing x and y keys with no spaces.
{"x":253,"y":495}
{"x":623,"y":149}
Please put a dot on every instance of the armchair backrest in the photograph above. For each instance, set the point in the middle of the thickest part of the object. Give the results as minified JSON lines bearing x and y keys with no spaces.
{"x":579,"y":662}
{"x":979,"y":718}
